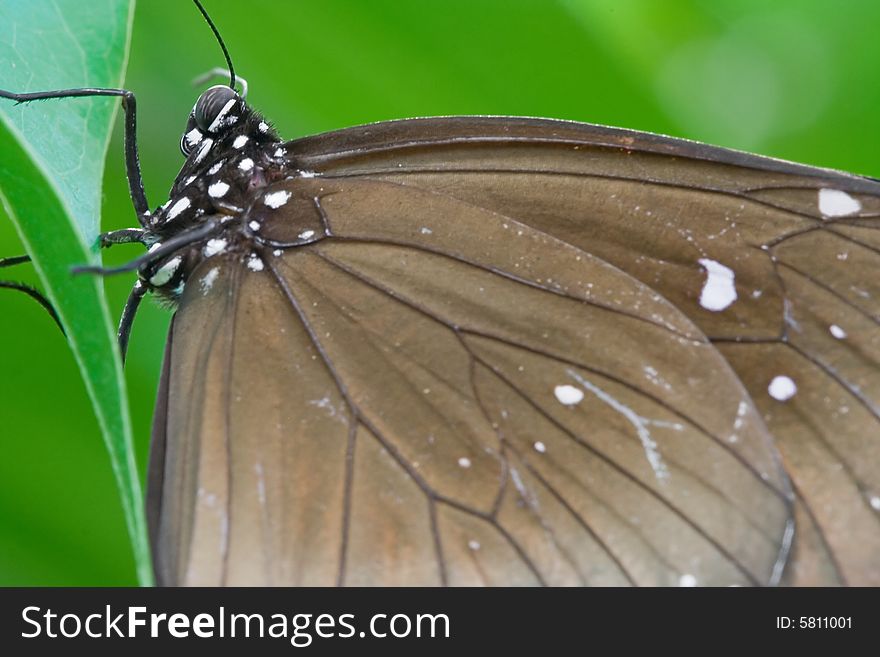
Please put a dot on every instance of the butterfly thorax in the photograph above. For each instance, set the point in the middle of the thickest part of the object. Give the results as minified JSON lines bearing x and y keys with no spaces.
{"x":223,"y":197}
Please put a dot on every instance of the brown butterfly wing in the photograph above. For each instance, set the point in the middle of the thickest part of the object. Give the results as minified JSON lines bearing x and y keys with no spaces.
{"x":408,"y":411}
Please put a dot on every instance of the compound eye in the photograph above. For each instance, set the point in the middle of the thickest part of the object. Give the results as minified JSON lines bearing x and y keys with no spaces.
{"x":216,"y":108}
{"x":191,"y":138}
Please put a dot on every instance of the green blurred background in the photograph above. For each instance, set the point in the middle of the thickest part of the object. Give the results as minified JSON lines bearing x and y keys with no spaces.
{"x":796,"y":79}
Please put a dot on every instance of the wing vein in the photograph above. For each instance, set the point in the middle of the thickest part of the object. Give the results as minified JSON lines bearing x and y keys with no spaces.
{"x":421,"y":309}
{"x":739,"y":195}
{"x":600,"y":455}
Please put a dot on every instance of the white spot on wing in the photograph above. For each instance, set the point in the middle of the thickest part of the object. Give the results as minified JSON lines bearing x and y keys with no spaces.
{"x":474,"y":545}
{"x":218,"y":189}
{"x":306,"y":234}
{"x":540,"y":447}
{"x":464,"y":462}
{"x":739,"y":421}
{"x":639,"y":423}
{"x":263,"y":127}
{"x":875,"y":502}
{"x":718,"y":290}
{"x":255,"y":263}
{"x":837,"y":332}
{"x":425,"y":231}
{"x":254,"y":226}
{"x":327,"y":405}
{"x":835,"y":203}
{"x":276,"y":199}
{"x":246,"y":164}
{"x":654,"y":377}
{"x":261,"y":483}
{"x":687,"y":580}
{"x":782,"y":388}
{"x":208,"y":279}
{"x":280,"y":152}
{"x":178,"y":207}
{"x":216,"y":167}
{"x":568,"y":395}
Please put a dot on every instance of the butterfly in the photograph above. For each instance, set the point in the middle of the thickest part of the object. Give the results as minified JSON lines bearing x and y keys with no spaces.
{"x":508,"y":351}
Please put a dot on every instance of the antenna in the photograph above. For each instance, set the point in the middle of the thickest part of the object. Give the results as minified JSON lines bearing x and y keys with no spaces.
{"x":220,"y":41}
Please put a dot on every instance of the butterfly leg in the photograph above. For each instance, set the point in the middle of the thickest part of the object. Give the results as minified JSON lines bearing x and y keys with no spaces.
{"x":168,"y":247}
{"x":124,"y":236}
{"x":32,"y":292}
{"x":132,"y":162}
{"x":127,"y":319}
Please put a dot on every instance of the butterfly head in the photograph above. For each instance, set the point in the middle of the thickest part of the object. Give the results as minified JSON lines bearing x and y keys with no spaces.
{"x":217,"y":111}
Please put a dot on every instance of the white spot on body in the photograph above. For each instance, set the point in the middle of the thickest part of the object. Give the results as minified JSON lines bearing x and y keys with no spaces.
{"x":203,"y":149}
{"x":214,"y":246}
{"x":687,"y":580}
{"x":246,"y":164}
{"x":280,"y":152}
{"x":220,"y":120}
{"x":306,"y":234}
{"x":193,"y":137}
{"x":240,"y":141}
{"x":208,"y":279}
{"x":165,"y":272}
{"x":464,"y":462}
{"x":718,"y":290}
{"x":837,"y":332}
{"x":181,"y":205}
{"x":568,"y":395}
{"x":254,"y":226}
{"x":255,"y":263}
{"x":263,"y":127}
{"x":540,"y":447}
{"x":218,"y":189}
{"x":276,"y":199}
{"x":835,"y":203}
{"x":782,"y":388}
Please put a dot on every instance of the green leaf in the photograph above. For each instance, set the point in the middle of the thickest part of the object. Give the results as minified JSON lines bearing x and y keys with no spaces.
{"x":51,"y":172}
